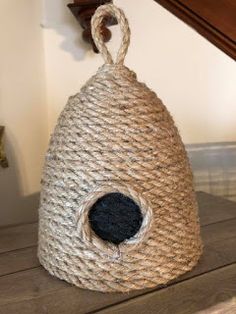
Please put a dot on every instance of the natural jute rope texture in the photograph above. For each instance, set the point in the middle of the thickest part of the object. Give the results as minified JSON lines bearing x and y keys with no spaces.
{"x":115,"y":135}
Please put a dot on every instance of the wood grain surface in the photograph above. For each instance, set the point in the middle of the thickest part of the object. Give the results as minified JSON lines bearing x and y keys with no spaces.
{"x":18,"y":237}
{"x":197,"y":294}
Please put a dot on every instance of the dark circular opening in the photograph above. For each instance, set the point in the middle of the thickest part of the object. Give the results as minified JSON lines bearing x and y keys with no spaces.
{"x":115,"y":217}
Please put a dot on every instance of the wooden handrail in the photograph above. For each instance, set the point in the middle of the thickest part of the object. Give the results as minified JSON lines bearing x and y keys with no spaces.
{"x":215,"y":20}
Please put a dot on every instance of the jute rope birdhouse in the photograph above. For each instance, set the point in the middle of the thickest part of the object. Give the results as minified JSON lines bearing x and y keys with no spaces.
{"x":118,"y":209}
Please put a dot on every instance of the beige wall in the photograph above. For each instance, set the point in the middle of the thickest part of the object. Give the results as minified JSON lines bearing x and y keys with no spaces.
{"x":194,"y":78}
{"x":22,"y":108}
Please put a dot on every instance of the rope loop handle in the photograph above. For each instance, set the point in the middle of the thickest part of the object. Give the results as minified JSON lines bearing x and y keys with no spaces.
{"x":96,"y":22}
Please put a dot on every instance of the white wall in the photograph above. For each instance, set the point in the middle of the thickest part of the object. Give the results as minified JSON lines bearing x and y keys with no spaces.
{"x":195,"y":79}
{"x":22,"y":108}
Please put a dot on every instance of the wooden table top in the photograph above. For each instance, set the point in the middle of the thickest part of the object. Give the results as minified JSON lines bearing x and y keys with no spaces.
{"x":26,"y":288}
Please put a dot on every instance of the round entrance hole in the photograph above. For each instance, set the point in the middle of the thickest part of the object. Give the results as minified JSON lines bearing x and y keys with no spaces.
{"x":115,"y":217}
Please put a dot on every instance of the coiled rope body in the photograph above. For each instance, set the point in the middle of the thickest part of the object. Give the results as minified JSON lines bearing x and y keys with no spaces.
{"x":116,"y":135}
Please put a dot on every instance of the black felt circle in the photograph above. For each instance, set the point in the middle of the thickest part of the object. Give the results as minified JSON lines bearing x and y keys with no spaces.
{"x":115,"y":217}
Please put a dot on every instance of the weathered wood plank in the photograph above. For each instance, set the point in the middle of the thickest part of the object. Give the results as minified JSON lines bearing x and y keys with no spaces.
{"x":17,"y":260}
{"x":35,"y":291}
{"x":211,"y":210}
{"x":191,"y":296}
{"x":16,"y":237}
{"x":220,"y":231}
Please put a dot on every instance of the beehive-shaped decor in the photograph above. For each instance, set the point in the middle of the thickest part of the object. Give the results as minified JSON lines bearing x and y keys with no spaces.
{"x":118,"y":210}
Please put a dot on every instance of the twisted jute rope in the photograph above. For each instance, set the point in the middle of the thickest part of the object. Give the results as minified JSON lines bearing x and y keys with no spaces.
{"x":116,"y":135}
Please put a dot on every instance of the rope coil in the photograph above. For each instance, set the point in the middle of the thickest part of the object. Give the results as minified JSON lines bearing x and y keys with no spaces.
{"x":116,"y":135}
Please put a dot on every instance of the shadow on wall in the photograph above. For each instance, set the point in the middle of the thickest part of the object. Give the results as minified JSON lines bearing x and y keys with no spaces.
{"x":57,"y":17}
{"x":14,"y":206}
